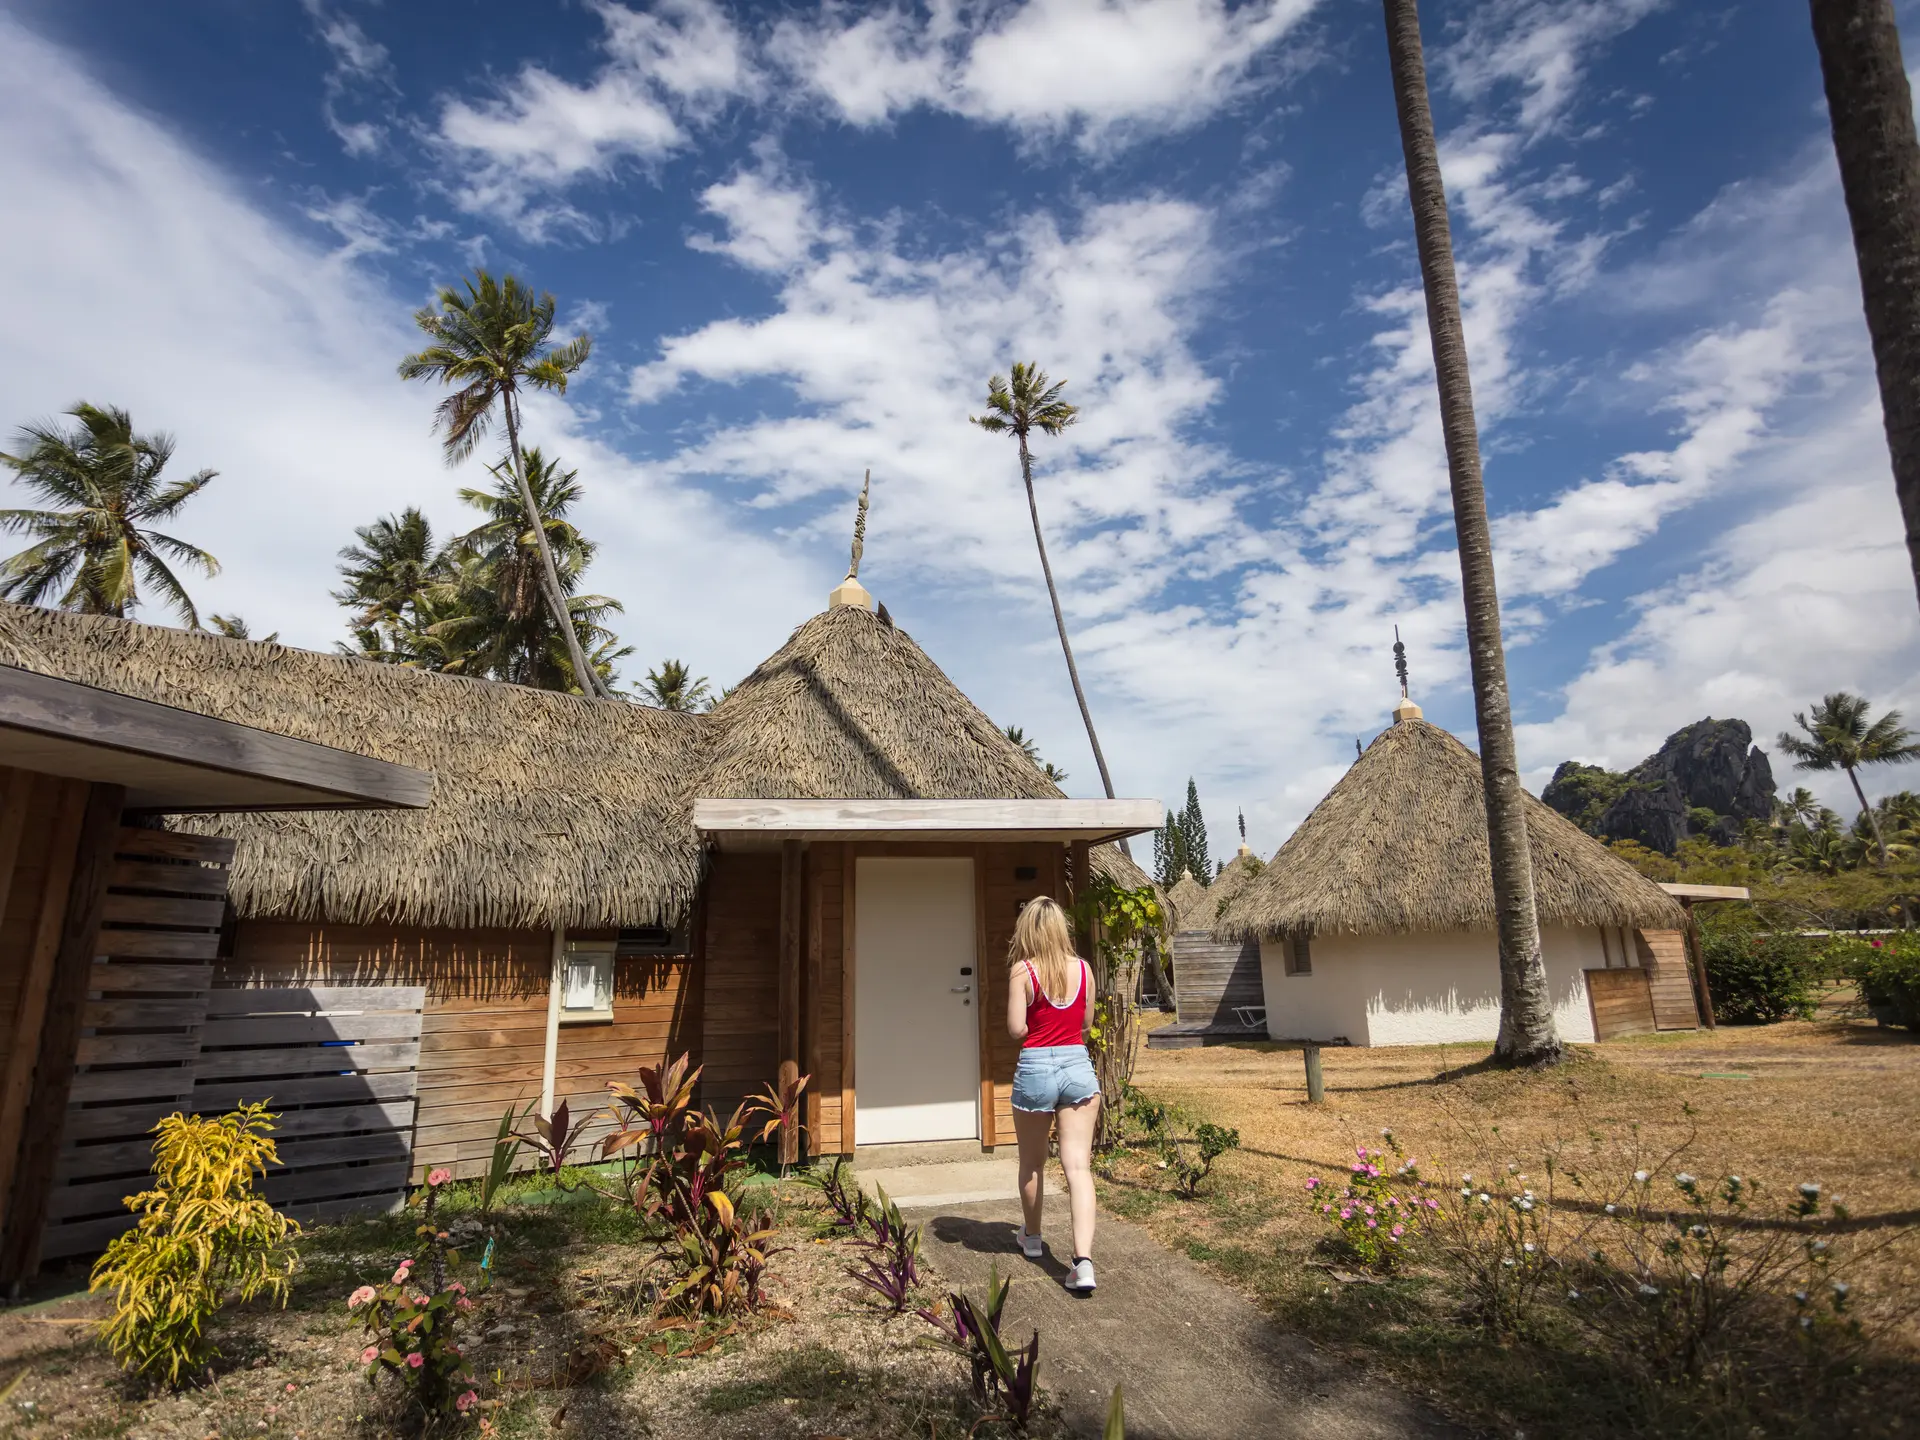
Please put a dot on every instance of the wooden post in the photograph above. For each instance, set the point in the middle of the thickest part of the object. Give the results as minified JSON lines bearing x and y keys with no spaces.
{"x":791,"y":906}
{"x":64,"y":804}
{"x":1698,"y":965}
{"x":983,"y":983}
{"x":1316,"y":1085}
{"x":550,"y":1061}
{"x":849,"y":868}
{"x":811,"y":998}
{"x":60,"y":1036}
{"x":1082,"y":858}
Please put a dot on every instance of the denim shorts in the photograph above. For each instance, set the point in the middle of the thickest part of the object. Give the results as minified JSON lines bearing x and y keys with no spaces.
{"x":1050,"y":1077}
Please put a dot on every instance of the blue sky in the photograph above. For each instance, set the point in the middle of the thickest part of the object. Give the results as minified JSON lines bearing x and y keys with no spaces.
{"x":803,"y":237}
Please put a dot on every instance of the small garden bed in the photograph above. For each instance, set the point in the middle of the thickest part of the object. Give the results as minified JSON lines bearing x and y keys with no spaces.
{"x":557,"y":1343}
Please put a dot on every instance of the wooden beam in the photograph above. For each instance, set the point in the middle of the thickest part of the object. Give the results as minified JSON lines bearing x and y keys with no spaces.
{"x":792,"y":904}
{"x":67,"y":728}
{"x":1701,"y":992}
{"x":66,"y":802}
{"x":811,"y":997}
{"x":16,"y":796}
{"x":849,"y":863}
{"x":60,"y":1036}
{"x":983,"y":995}
{"x":968,"y":820}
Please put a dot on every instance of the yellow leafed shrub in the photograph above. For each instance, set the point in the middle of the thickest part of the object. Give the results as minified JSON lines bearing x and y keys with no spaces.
{"x":203,"y":1237}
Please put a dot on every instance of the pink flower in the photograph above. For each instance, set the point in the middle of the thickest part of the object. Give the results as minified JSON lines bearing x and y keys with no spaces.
{"x":400,"y":1275}
{"x":1398,"y":1231}
{"x":1346,"y":1214}
{"x":1373,"y":1224}
{"x":416,"y":1360}
{"x":463,"y":1304}
{"x":1432,"y":1204}
{"x":370,"y":1354}
{"x":1367,"y":1208}
{"x":1314,"y":1183}
{"x":456,"y":1287}
{"x":362,"y":1296}
{"x":451,"y":1349}
{"x":466,"y":1402}
{"x":291,"y":1387}
{"x":440,"y":1176}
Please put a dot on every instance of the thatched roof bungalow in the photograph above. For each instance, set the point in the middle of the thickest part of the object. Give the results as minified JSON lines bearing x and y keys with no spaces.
{"x":1375,"y":920}
{"x":594,"y":884}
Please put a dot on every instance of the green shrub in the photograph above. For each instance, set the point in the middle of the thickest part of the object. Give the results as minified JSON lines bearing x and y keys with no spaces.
{"x":1759,"y":977}
{"x":1887,"y":970}
{"x":203,"y":1237}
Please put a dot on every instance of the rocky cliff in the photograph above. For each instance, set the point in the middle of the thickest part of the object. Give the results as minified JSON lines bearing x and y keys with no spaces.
{"x":1707,"y":779}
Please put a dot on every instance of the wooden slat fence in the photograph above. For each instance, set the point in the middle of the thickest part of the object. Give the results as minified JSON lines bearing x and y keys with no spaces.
{"x":1211,"y":978}
{"x":337,"y":1065}
{"x":1622,"y":1004}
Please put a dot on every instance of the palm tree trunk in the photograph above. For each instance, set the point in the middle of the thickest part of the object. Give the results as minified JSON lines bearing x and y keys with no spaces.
{"x":1059,"y":620}
{"x":1527,"y":1034}
{"x":583,"y":674}
{"x":1871,"y":109}
{"x":1873,"y":820}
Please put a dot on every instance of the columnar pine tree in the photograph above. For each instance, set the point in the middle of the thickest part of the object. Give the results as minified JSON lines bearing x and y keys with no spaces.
{"x":1193,"y":830}
{"x":1170,"y":858}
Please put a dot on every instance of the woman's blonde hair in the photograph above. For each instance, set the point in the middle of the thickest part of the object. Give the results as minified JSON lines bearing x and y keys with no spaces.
{"x":1042,"y":935}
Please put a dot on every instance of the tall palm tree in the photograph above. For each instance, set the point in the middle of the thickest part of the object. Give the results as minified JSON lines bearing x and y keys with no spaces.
{"x":94,"y":550}
{"x":675,"y":687}
{"x":1527,"y":1034}
{"x":491,"y":340}
{"x":1798,"y":807}
{"x":1839,"y":736}
{"x":1871,"y":109}
{"x":501,"y":623}
{"x":1018,"y":407}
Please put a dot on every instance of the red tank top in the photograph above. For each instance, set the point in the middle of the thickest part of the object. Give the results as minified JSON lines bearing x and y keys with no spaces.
{"x":1051,"y":1024}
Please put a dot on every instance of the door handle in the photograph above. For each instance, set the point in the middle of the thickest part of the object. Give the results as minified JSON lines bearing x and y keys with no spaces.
{"x":960,"y":989}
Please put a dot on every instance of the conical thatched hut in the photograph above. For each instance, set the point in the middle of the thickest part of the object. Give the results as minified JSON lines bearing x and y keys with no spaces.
{"x":819,"y":875}
{"x":1187,"y":897}
{"x":1376,"y":922}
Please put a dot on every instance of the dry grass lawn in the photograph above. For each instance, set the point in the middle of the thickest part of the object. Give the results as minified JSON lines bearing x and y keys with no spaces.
{"x":1832,"y":1102}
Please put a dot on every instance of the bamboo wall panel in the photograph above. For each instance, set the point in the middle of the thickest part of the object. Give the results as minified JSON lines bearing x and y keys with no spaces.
{"x":740,"y":991}
{"x":1212,"y":977}
{"x":1622,"y":1003}
{"x":1663,"y":955}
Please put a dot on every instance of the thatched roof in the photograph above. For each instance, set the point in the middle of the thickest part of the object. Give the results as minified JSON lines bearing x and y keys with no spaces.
{"x":1400,"y":844}
{"x":547,"y":808}
{"x":851,"y":709}
{"x":1188,"y":897}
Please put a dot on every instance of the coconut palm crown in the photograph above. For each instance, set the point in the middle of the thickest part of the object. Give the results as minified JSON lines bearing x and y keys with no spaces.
{"x":93,"y":549}
{"x":1838,"y":735}
{"x":489,"y":339}
{"x":1018,"y":406}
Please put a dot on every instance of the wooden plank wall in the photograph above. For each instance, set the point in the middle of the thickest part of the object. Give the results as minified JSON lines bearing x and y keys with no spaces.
{"x":822,"y":1002}
{"x":1005,"y":893}
{"x":141,"y":1028}
{"x":740,"y":1018}
{"x":1663,"y":955}
{"x":483,"y":1031}
{"x":1621,"y":1001}
{"x":1211,"y":977}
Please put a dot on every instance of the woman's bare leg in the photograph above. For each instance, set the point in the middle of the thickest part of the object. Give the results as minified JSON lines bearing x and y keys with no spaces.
{"x":1033,"y":1127}
{"x":1077,"y":1124}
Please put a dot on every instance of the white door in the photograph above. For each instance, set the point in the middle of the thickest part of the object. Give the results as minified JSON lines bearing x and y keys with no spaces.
{"x":916,"y":1026}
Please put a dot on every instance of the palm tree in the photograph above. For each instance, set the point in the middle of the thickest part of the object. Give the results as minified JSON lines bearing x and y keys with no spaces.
{"x":1030,"y":402}
{"x":389,"y":569}
{"x":1799,"y":807}
{"x":1839,"y":736}
{"x":490,"y":341}
{"x":94,"y":550}
{"x":499,"y":622}
{"x":1032,"y":751}
{"x":234,"y":628}
{"x":1527,"y":1034}
{"x":1871,"y":109}
{"x":674,"y":687}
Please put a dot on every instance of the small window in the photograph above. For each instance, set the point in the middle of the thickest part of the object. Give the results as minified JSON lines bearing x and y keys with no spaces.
{"x":1297,"y":955}
{"x":586,"y":983}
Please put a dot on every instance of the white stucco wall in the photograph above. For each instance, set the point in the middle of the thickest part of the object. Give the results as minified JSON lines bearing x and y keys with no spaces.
{"x":1419,"y":989}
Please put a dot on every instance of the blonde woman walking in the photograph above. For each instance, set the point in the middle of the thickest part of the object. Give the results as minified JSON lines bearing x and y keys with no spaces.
{"x":1049,"y":1009}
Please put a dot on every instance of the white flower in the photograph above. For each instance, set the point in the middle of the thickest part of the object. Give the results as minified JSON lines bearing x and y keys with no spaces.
{"x":1684,"y":1180}
{"x":1528,"y":1247}
{"x":1527,"y":1193}
{"x":1386,"y":1134}
{"x":1841,"y":1289}
{"x":1646,"y":1289}
{"x":1800,"y":1297}
{"x":1485,"y":1199}
{"x":1806,"y":1322}
{"x":1810,"y":1190}
{"x":1512,"y":1168}
{"x":1573,"y":1294}
{"x":1466,"y":1179}
{"x":1507,"y":1263}
{"x":1641,"y":1177}
{"x":1611,"y":1208}
{"x":1696,"y":1230}
{"x":1819,"y":1247}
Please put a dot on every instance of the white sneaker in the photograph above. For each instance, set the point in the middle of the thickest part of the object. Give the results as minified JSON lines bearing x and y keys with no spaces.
{"x":1079,"y":1278}
{"x":1031,"y":1246}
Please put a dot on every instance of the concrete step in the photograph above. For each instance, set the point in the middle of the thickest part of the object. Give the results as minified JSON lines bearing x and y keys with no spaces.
{"x":933,"y":1152}
{"x":958,"y":1182}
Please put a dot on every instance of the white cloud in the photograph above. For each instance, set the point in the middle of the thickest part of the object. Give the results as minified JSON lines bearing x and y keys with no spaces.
{"x":1103,"y":70}
{"x":276,"y":368}
{"x":666,"y":70}
{"x":359,"y":62}
{"x":1538,"y":48}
